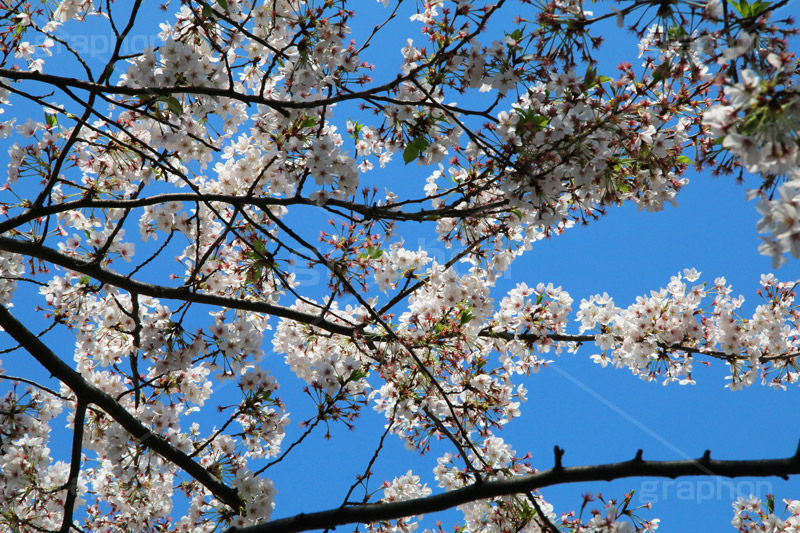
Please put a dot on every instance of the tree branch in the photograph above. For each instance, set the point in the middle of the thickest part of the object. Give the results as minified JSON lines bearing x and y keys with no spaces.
{"x":74,"y":466}
{"x":369,"y":212}
{"x":374,"y":512}
{"x":92,"y":395}
{"x":159,"y":291}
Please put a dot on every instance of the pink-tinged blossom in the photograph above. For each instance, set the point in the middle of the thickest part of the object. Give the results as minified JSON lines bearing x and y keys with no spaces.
{"x":254,"y":120}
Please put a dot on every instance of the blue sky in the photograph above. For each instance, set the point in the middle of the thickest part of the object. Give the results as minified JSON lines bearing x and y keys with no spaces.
{"x":597,"y":415}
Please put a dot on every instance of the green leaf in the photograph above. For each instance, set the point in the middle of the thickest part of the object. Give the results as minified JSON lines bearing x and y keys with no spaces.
{"x":518,"y":213}
{"x":174,"y":105}
{"x":414,"y":149}
{"x":748,"y":10}
{"x":265,"y":396}
{"x":410,"y":153}
{"x":356,"y":128}
{"x":84,"y":280}
{"x":683,"y":160}
{"x":753,"y":123}
{"x":50,"y":119}
{"x":589,"y":77}
{"x":309,"y":122}
{"x":259,"y":246}
{"x":758,"y":8}
{"x":592,"y":79}
{"x":372,"y":252}
{"x":207,"y":11}
{"x":676,"y":32}
{"x":533,"y":121}
{"x":223,"y":4}
{"x":357,"y":374}
{"x":254,"y":274}
{"x":660,"y":72}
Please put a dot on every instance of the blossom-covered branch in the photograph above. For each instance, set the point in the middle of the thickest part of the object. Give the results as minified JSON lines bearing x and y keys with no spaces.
{"x":637,"y":467}
{"x":88,"y":394}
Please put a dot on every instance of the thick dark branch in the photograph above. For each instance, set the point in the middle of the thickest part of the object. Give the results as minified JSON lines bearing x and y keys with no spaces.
{"x":92,"y":395}
{"x":74,"y":466}
{"x":374,"y":512}
{"x":532,"y":337}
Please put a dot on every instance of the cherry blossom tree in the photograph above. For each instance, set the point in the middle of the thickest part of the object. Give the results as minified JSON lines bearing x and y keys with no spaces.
{"x":160,"y":210}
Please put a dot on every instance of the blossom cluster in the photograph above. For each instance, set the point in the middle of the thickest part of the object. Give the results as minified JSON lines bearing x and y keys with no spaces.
{"x":662,"y":334}
{"x":759,"y":124}
{"x":750,"y":514}
{"x":500,"y":462}
{"x":29,"y":473}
